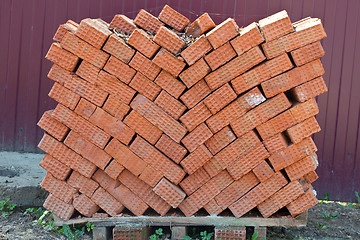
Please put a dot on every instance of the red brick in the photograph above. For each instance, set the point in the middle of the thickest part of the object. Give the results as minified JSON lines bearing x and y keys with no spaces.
{"x":147,"y":21}
{"x":55,"y":167}
{"x":247,"y":162}
{"x":263,"y":171}
{"x":293,"y":153}
{"x":65,"y":155}
{"x":58,"y":207}
{"x":130,"y":200}
{"x":310,"y":177}
{"x":250,"y":37}
{"x":170,"y":84}
{"x":300,"y":168}
{"x":117,"y":47}
{"x":234,"y":233}
{"x":303,"y":203}
{"x":171,"y":193}
{"x":59,"y":74}
{"x":196,"y":50}
{"x":112,"y":85}
{"x":257,"y":195}
{"x":194,"y":181}
{"x":143,"y":127}
{"x":195,"y":94}
{"x":107,"y":202}
{"x":93,"y":32}
{"x":105,"y":181}
{"x":169,"y":62}
{"x":145,"y":192}
{"x":236,"y":190}
{"x":62,"y":30}
{"x":113,"y":169}
{"x":85,"y":206}
{"x":83,"y":184}
{"x":85,"y":108}
{"x":260,"y":114}
{"x":88,"y":150}
{"x":261,"y":73}
{"x":52,"y":126}
{"x":309,"y":89}
{"x":196,"y":159}
{"x":201,"y":25}
{"x":195,"y":116}
{"x":86,"y":90}
{"x":124,"y":156}
{"x":119,"y":69}
{"x":234,"y":68}
{"x":220,"y":98}
{"x":81,"y":126}
{"x":223,"y":33}
{"x":129,"y":232}
{"x":168,"y":39}
{"x":145,"y":66}
{"x":159,"y":118}
{"x":276,"y":25}
{"x":220,"y":140}
{"x":306,"y":32}
{"x":170,"y":105}
{"x":280,"y":199}
{"x":61,"y":57}
{"x":157,"y":160}
{"x":220,"y":56}
{"x":276,"y":143}
{"x":204,"y":194}
{"x":304,"y":110}
{"x":143,"y":42}
{"x":58,"y":188}
{"x":122,"y":23}
{"x":292,"y":78}
{"x":116,"y":107}
{"x":173,"y":18}
{"x":197,"y":137}
{"x":84,"y":50}
{"x":303,"y":130}
{"x":150,"y":175}
{"x":145,"y":86}
{"x":212,"y":207}
{"x":307,"y":53}
{"x":170,"y":148}
{"x":88,"y":72}
{"x":235,"y":110}
{"x":276,"y":125}
{"x":195,"y":73}
{"x":231,"y":153}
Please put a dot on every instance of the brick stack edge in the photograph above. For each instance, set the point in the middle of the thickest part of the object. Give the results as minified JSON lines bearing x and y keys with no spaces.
{"x":160,"y":113}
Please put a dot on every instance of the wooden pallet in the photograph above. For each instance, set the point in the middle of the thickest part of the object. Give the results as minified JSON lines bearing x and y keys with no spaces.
{"x":178,"y":224}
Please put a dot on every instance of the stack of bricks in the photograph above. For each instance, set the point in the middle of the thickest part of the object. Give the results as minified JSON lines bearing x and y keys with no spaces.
{"x":158,"y":113}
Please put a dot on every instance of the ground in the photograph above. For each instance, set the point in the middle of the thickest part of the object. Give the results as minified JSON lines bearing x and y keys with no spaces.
{"x":326,"y":221}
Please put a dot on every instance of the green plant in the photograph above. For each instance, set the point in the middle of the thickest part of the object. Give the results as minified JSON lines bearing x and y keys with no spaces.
{"x":77,"y":231}
{"x":321,"y":226}
{"x":358,"y":197}
{"x":329,"y":216}
{"x":5,"y":208}
{"x":206,"y":236}
{"x":157,"y":235}
{"x":255,"y":236}
{"x":90,"y":226}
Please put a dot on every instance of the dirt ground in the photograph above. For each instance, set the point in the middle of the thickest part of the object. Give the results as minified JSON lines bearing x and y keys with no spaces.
{"x":326,"y":221}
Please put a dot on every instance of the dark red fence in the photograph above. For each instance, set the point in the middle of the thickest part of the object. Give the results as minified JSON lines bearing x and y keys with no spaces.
{"x":27,"y":27}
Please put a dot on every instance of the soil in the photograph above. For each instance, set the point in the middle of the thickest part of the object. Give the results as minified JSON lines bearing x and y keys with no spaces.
{"x":345,"y":224}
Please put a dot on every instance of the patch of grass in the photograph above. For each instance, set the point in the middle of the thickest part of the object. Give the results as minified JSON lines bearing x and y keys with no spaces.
{"x":5,"y":208}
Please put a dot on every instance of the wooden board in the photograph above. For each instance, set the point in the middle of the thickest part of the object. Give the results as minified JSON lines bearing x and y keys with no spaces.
{"x":299,"y":221}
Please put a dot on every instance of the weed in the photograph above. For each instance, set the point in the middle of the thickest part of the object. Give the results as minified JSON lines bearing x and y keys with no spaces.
{"x":255,"y":236}
{"x":5,"y":208}
{"x":329,"y":216}
{"x":157,"y":235}
{"x":203,"y":236}
{"x":357,"y":197}
{"x":321,"y":226}
{"x":326,"y":198}
{"x":206,"y":236}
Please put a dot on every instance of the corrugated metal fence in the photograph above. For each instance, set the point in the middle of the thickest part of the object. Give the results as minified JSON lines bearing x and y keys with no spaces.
{"x":27,"y":27}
